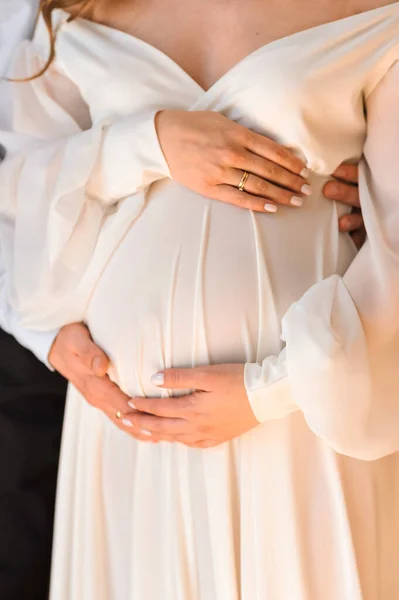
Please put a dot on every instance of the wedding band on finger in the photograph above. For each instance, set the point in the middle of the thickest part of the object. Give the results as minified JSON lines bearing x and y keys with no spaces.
{"x":244,"y":179}
{"x":119,"y":416}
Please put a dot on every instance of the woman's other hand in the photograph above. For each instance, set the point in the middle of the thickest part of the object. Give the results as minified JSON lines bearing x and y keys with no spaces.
{"x":216,"y":412}
{"x":344,"y":188}
{"x":209,"y":154}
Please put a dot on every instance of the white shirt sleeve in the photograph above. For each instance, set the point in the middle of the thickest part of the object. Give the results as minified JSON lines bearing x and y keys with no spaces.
{"x":340,"y":365}
{"x":67,"y":191}
{"x":38,"y":342}
{"x":16,"y":24}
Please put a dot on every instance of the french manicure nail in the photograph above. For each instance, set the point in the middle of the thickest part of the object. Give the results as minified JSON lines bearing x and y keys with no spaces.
{"x":305,"y":173}
{"x":145,"y":432}
{"x":306,"y":189}
{"x":158,"y":379}
{"x":130,"y":403}
{"x":127,"y":423}
{"x":271,"y":208}
{"x":296,"y":201}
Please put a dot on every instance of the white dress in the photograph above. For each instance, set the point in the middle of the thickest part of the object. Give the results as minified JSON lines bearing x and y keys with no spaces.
{"x":165,"y":277}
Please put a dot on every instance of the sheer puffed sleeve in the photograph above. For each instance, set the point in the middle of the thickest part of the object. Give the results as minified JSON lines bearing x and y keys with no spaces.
{"x":66,"y":191}
{"x":340,"y":365}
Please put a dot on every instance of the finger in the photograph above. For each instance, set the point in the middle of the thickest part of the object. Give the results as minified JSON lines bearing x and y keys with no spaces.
{"x":351,"y":222}
{"x":188,"y":439}
{"x":159,"y":425}
{"x":102,"y":393}
{"x":231,"y":195}
{"x":140,"y":435}
{"x":342,"y":192}
{"x":181,"y":407}
{"x":195,"y":442}
{"x":265,"y":169}
{"x":89,"y":353}
{"x":197,"y":378}
{"x":205,"y":444}
{"x":126,"y":426}
{"x":359,"y":237}
{"x":347,"y":172}
{"x":263,"y":146}
{"x":257,"y":186}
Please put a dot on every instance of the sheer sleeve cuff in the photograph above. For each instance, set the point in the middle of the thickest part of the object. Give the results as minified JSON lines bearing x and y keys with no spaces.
{"x":130,"y":148}
{"x":268,"y":388}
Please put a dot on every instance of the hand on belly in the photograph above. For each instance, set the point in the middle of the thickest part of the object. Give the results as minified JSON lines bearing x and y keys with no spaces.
{"x":216,"y":412}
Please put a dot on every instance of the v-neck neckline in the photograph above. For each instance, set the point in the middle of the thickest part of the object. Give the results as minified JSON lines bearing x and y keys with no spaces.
{"x":268,"y":46}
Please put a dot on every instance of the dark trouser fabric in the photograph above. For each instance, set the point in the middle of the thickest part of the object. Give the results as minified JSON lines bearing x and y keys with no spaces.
{"x":31,"y":412}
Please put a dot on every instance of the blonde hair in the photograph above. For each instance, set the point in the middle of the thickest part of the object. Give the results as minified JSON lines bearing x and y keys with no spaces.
{"x":74,"y":7}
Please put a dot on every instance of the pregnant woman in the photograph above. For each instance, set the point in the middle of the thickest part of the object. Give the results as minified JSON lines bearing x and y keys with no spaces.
{"x":170,"y":269}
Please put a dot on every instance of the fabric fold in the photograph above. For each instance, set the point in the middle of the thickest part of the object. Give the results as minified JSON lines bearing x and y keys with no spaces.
{"x":65,"y":178}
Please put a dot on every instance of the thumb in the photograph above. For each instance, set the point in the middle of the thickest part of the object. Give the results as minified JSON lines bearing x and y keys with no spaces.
{"x":90,"y":354}
{"x":100,"y":362}
{"x":197,"y":378}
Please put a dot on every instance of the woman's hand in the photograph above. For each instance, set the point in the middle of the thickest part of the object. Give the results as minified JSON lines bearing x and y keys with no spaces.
{"x":209,"y":153}
{"x":217,"y":412}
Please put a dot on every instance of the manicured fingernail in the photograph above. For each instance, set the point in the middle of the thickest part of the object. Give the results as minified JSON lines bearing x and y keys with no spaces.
{"x":306,"y":189}
{"x":158,"y":379}
{"x":296,"y":201}
{"x":305,"y":173}
{"x":130,"y":403}
{"x":271,"y":208}
{"x":127,"y":423}
{"x":145,"y":432}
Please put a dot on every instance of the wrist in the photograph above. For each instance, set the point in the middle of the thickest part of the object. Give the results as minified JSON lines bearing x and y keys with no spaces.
{"x":162,"y":119}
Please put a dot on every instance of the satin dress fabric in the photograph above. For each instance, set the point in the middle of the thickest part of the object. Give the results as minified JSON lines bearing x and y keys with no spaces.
{"x":166,"y":277}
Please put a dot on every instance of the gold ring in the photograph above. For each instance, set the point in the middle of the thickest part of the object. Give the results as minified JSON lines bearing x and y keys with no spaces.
{"x":118,"y":415}
{"x":243,"y":181}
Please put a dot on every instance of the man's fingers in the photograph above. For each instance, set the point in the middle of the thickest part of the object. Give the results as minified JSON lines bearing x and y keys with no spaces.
{"x":103,"y":393}
{"x":100,"y":362}
{"x":342,"y":192}
{"x":359,"y":237}
{"x":347,"y":172}
{"x":89,"y":353}
{"x":351,"y":222}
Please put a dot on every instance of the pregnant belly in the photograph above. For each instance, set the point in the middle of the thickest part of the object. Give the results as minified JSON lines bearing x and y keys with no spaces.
{"x":196,"y":281}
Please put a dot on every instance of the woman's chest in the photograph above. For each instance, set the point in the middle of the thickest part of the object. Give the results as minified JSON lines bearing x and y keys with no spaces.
{"x":206,"y":39}
{"x":305,"y":100}
{"x":307,"y":90}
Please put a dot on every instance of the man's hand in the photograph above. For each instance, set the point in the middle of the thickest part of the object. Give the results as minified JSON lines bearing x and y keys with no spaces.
{"x":217,"y":412}
{"x":78,"y":359}
{"x":344,"y":188}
